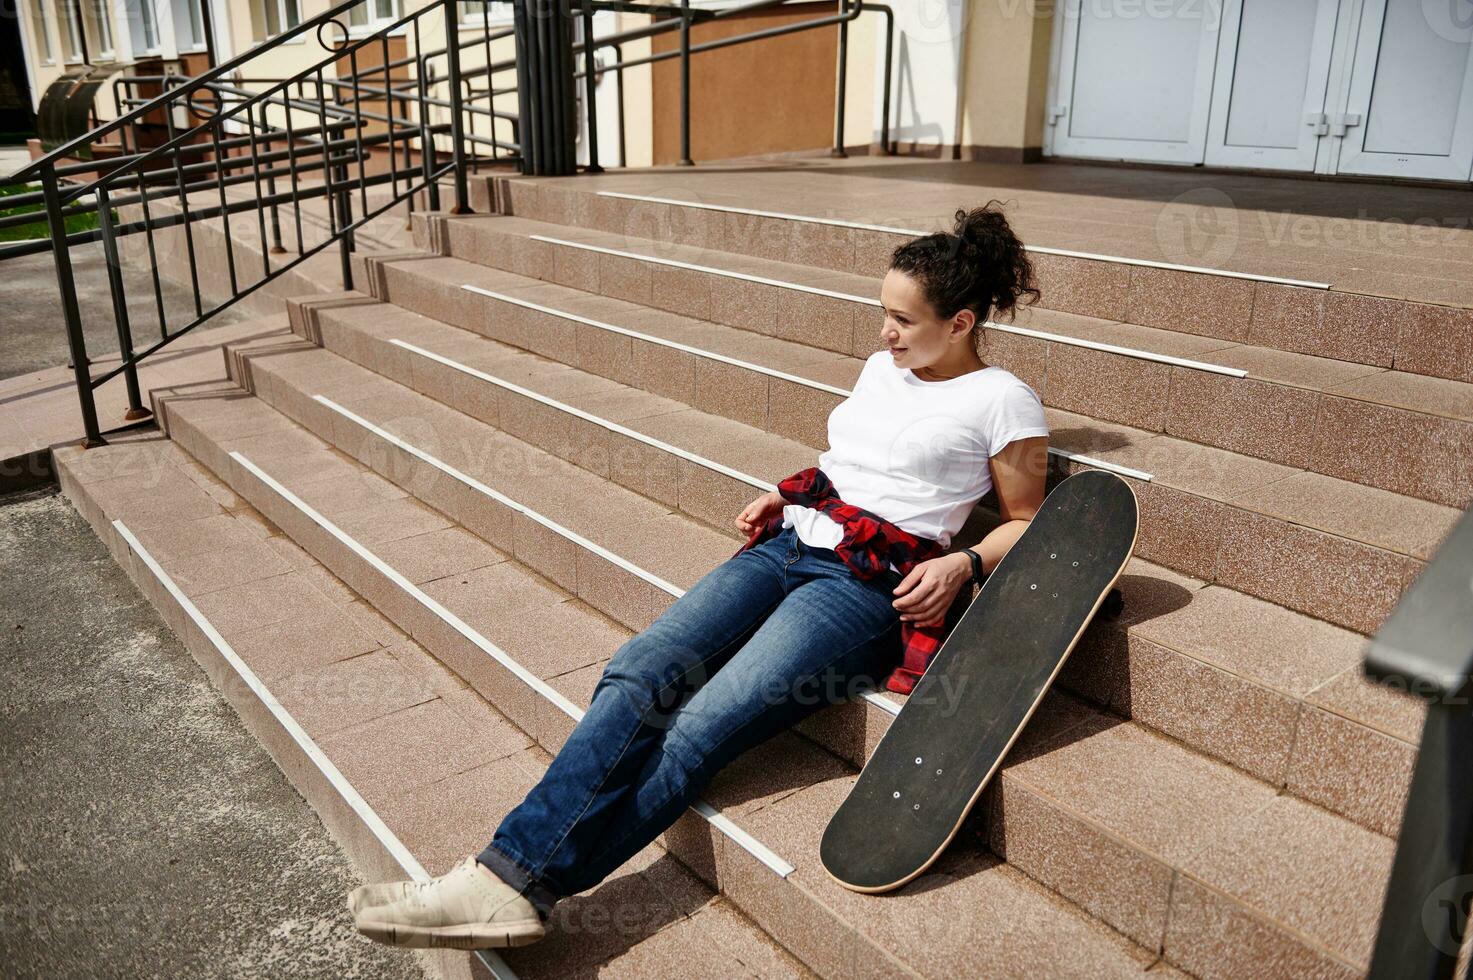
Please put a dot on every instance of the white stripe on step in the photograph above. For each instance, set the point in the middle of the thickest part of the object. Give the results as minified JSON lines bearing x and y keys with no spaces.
{"x":1057,"y":338}
{"x":308,"y":746}
{"x":754,"y":847}
{"x":663,"y":342}
{"x":915,"y":233}
{"x":566,"y":533}
{"x":665,"y":446}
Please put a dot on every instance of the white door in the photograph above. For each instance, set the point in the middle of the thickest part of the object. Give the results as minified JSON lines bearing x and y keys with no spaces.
{"x":1268,"y":103}
{"x":1409,"y":111}
{"x":1135,"y":80}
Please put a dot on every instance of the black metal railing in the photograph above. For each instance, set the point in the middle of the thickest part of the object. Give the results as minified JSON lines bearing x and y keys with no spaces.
{"x":547,"y":139}
{"x":1425,"y":647}
{"x":177,"y":186}
{"x":233,"y":155}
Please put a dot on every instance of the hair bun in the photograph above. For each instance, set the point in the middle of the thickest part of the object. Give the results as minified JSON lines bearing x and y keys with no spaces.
{"x":979,"y":265}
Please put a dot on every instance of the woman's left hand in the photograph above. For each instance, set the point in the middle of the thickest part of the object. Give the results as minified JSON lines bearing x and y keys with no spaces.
{"x":928,"y":590}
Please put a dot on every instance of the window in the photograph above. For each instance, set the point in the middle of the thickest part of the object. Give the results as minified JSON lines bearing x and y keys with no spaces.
{"x":103,"y":17}
{"x":41,"y":21}
{"x":143,"y":25}
{"x":189,"y":24}
{"x":278,"y":16}
{"x":372,"y":13}
{"x":474,"y":12}
{"x":72,"y":14}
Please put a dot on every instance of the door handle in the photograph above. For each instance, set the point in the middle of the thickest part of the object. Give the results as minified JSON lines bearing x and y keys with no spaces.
{"x":1057,"y":112}
{"x":1344,"y":121}
{"x":1317,"y":121}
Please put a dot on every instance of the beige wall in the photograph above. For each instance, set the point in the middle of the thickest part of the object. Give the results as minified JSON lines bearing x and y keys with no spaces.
{"x":1005,"y":79}
{"x":639,"y":130}
{"x":861,"y":113}
{"x":44,"y":74}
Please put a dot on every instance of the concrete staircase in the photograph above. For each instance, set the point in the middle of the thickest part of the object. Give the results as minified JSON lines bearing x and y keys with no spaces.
{"x":512,"y":449}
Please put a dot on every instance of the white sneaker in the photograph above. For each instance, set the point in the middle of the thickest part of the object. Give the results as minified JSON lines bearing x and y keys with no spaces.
{"x":468,"y":907}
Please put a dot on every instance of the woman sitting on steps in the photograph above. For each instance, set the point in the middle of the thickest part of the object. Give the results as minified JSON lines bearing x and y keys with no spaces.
{"x":842,"y":584}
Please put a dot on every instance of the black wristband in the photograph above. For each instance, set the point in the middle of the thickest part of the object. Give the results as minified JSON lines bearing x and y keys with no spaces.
{"x":977,"y":574}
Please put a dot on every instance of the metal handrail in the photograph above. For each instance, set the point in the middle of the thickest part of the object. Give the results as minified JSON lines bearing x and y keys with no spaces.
{"x":1425,"y":648}
{"x":201,"y":156}
{"x":322,"y":140}
{"x":328,"y":16}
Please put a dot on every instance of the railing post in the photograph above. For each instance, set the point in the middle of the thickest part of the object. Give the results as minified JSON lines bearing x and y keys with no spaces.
{"x":71,"y":313}
{"x":885,"y":101}
{"x":426,"y":138}
{"x":457,"y":136}
{"x":840,"y":84}
{"x":120,"y":306}
{"x":590,"y":87}
{"x":276,"y":247}
{"x":527,"y":93}
{"x":1424,"y":920}
{"x":345,"y":218}
{"x":564,"y":86}
{"x":685,"y":160}
{"x":207,"y":25}
{"x":1425,"y":648}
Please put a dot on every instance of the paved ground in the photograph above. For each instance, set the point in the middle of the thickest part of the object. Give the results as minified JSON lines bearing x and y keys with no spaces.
{"x":143,"y":831}
{"x":35,"y":334}
{"x":35,"y":337}
{"x":12,"y":158}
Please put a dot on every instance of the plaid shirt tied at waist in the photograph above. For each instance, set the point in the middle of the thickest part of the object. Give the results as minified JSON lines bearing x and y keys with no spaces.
{"x":870,"y":543}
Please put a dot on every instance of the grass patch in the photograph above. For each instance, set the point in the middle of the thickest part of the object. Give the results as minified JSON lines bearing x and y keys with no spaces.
{"x":37,"y":229}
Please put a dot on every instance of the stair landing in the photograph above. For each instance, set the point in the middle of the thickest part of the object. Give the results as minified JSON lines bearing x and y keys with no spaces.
{"x":1399,"y":241}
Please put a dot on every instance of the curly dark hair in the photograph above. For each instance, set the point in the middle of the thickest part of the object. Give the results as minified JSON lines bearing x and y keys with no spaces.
{"x":980,"y":265}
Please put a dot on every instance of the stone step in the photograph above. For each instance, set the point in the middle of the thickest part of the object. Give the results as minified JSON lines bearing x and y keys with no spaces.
{"x":1190,"y":668}
{"x":1362,"y":424}
{"x":513,"y":607}
{"x":1125,"y":838}
{"x":409,"y":768}
{"x":1419,"y":338}
{"x":1207,"y":511}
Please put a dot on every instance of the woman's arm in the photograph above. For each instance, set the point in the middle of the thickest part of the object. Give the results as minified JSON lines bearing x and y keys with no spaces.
{"x":1019,"y":471}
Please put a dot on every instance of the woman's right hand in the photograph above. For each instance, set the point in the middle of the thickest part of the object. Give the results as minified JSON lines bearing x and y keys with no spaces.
{"x":758,"y":511}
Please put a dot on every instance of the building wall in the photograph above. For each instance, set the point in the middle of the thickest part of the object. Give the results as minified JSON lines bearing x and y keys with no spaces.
{"x":765,"y":96}
{"x":965,"y":75}
{"x":1005,"y":80}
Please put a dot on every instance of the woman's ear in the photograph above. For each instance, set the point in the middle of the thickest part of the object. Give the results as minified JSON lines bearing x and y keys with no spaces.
{"x":964,"y":320}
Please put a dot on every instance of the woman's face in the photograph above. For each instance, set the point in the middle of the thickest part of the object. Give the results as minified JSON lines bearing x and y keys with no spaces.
{"x":916,"y":335}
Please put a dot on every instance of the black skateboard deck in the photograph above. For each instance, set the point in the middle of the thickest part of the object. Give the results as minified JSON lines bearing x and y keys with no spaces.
{"x":982,"y":686}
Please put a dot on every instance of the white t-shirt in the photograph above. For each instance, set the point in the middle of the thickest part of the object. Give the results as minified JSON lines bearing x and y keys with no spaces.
{"x":916,"y":452}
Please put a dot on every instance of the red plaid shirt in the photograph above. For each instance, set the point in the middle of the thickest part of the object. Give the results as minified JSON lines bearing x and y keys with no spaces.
{"x":869,"y":545}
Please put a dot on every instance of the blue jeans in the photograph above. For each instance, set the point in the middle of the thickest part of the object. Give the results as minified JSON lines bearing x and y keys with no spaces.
{"x":764,"y":639}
